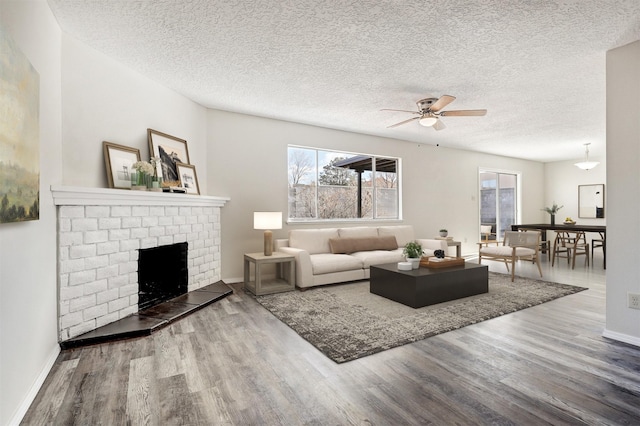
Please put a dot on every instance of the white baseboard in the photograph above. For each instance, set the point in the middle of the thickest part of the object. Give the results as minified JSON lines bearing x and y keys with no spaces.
{"x":233,"y":280}
{"x":33,"y":392}
{"x":625,"y":338}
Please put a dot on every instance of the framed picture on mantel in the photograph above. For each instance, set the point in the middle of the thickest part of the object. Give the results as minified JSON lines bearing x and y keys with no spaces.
{"x":171,"y":150}
{"x":188,"y":178}
{"x":118,"y":161}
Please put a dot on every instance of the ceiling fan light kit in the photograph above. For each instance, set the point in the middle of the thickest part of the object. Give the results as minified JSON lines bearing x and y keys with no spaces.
{"x":428,"y":114}
{"x":428,"y":120}
{"x":586,"y":164}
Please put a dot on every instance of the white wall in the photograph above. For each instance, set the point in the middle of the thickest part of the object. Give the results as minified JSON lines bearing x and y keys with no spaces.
{"x":105,"y":101}
{"x":623,"y":229}
{"x":28,"y":343}
{"x":561,"y":186}
{"x":248,"y":163}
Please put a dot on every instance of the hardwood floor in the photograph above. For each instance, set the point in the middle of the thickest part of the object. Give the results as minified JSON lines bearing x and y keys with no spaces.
{"x":234,"y":363}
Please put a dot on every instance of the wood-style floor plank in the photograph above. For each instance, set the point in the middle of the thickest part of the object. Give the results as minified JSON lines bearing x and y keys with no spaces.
{"x":52,"y":398}
{"x":233,"y":363}
{"x":142,"y":392}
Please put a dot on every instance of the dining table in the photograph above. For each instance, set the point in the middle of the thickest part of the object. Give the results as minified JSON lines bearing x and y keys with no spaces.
{"x":544,"y":227}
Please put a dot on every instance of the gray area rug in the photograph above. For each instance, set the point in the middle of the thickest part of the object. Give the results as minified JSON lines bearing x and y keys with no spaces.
{"x":346,"y":321}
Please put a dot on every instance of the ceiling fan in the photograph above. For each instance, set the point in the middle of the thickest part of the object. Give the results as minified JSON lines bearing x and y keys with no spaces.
{"x":429,"y":113}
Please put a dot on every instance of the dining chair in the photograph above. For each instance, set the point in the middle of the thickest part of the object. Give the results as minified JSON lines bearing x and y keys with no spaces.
{"x":560,"y":247}
{"x":515,"y":246}
{"x":545,"y":245}
{"x":569,"y":244}
{"x":597,"y":243}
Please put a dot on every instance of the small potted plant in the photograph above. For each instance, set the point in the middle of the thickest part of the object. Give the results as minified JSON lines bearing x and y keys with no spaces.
{"x":443,"y":232}
{"x":552,"y":211}
{"x":413,"y":252}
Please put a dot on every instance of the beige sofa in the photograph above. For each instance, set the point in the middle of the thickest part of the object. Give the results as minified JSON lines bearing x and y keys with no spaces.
{"x":332,"y":255}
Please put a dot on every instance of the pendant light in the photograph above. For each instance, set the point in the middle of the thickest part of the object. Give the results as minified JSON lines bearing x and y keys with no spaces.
{"x":586,"y":164}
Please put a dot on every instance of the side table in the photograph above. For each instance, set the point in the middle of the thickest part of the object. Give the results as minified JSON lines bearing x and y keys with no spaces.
{"x":285,"y":273}
{"x":457,"y":245}
{"x":451,"y":243}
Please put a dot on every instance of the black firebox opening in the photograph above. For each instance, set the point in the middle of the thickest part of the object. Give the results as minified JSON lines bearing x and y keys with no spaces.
{"x":162,"y":274}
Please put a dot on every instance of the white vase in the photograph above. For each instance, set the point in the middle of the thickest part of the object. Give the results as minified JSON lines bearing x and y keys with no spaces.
{"x":443,"y":234}
{"x":415,"y":262}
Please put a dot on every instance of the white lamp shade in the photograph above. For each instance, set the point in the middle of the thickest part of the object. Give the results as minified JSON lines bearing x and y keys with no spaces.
{"x":267,"y":220}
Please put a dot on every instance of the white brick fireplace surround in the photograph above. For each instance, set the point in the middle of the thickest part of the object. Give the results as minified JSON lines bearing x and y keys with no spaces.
{"x":99,"y":234}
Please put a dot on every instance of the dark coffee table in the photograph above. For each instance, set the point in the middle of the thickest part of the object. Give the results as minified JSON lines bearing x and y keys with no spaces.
{"x":425,"y":286}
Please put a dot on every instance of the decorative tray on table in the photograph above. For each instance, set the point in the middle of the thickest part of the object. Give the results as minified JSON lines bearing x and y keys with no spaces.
{"x":446,"y":262}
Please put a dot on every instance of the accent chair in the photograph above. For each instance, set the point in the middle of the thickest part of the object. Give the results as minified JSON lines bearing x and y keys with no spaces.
{"x":516,"y":246}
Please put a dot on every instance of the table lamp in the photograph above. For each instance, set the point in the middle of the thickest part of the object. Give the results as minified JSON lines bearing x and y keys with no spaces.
{"x":267,"y":221}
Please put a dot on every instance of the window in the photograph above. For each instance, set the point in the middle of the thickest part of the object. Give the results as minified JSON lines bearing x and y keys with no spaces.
{"x":332,"y":185}
{"x":498,"y":201}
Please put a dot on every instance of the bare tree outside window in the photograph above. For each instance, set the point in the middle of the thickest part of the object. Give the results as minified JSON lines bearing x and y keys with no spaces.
{"x":301,"y":165}
{"x":302,"y":173}
{"x":387,"y":180}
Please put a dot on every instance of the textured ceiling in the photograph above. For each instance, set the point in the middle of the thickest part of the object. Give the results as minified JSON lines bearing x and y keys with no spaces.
{"x":538,"y":67}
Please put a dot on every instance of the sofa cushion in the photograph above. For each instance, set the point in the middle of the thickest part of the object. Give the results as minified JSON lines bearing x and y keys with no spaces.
{"x":351,"y":245}
{"x":403,"y":233}
{"x":358,"y":232}
{"x":328,"y":263}
{"x":378,"y":257}
{"x":312,"y":240}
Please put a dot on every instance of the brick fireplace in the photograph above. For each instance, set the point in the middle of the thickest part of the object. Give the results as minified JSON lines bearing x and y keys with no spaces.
{"x":100,"y":233}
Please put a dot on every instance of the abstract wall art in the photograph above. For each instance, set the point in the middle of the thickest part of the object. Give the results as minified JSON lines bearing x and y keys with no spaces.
{"x":19,"y":134}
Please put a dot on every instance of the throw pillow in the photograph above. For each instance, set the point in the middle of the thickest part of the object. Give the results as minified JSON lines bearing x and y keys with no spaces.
{"x":352,"y":245}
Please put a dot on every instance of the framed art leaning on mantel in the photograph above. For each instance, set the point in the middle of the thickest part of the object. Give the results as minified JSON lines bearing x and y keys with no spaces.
{"x":170,"y":150}
{"x":188,"y":178}
{"x":118,"y":160}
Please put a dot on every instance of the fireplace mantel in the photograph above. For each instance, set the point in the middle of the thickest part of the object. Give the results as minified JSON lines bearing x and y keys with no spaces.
{"x":80,"y":196}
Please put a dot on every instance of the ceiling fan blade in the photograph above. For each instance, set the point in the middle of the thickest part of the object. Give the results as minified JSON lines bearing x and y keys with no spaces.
{"x":442,"y":102}
{"x":403,"y":122}
{"x":464,"y":112}
{"x":400,"y":110}
{"x":439,"y":125}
